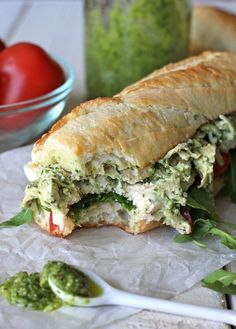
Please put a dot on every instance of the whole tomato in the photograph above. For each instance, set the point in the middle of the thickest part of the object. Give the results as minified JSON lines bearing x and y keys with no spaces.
{"x":26,"y":72}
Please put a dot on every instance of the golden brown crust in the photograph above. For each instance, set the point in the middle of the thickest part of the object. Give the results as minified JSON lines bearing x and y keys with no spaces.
{"x":59,"y":124}
{"x":140,"y":227}
{"x":212,"y":29}
{"x":147,"y":119}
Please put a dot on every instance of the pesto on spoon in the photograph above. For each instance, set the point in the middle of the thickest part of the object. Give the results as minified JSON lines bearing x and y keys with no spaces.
{"x":33,"y":291}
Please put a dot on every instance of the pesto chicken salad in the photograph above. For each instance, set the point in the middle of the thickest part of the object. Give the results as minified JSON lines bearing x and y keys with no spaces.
{"x":131,"y":194}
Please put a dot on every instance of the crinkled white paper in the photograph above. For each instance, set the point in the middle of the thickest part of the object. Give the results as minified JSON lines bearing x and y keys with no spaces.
{"x":149,"y":264}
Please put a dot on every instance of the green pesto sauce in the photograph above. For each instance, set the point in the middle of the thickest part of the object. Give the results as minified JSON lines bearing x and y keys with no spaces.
{"x":33,"y":291}
{"x":126,"y":40}
{"x":91,"y":199}
{"x":66,"y":277}
{"x":24,"y":290}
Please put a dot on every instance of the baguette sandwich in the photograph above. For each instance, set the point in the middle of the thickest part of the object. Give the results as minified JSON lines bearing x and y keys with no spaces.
{"x":130,"y":160}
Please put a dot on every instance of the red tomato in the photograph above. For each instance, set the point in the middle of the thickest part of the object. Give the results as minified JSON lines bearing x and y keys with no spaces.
{"x":220,"y":169}
{"x":53,"y":228}
{"x":26,"y":72}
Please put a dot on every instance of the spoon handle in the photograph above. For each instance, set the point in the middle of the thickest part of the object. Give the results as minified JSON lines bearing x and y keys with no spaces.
{"x":119,"y":297}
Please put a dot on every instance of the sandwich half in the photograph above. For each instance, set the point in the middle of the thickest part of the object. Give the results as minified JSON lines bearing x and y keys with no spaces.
{"x":129,"y":160}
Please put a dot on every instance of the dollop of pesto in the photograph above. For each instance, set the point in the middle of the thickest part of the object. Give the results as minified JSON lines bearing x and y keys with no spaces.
{"x":24,"y":290}
{"x":66,"y":278}
{"x":126,"y":40}
{"x":33,"y":291}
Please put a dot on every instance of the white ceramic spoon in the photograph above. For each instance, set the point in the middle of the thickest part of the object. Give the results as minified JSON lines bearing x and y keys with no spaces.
{"x":113,"y":296}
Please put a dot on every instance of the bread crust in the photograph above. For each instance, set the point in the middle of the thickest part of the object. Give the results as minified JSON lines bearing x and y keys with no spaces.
{"x":212,"y":29}
{"x":148,"y":118}
{"x":141,"y":227}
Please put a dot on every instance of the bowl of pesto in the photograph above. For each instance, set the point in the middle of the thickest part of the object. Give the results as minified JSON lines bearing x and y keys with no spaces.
{"x":127,"y":39}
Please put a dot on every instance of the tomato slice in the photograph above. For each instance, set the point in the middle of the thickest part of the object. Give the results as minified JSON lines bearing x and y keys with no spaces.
{"x":53,"y":228}
{"x":220,"y":169}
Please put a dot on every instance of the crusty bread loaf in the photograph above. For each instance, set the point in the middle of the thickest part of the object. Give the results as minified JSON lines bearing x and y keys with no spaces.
{"x":147,"y":119}
{"x":143,"y":122}
{"x":212,"y":29}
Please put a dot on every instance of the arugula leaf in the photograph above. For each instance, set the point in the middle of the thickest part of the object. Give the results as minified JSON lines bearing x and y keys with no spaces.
{"x":217,"y":286}
{"x":205,"y":219}
{"x":23,"y":217}
{"x":204,"y":227}
{"x":221,"y":281}
{"x":225,"y":238}
{"x":200,"y":230}
{"x":92,"y":199}
{"x":199,"y":198}
{"x":230,"y":185}
{"x":223,"y":276}
{"x":182,"y":238}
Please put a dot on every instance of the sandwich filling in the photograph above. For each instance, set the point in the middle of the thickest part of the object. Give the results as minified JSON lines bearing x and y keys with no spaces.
{"x":112,"y":191}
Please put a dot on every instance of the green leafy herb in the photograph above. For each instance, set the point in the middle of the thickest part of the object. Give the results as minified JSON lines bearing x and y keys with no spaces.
{"x":221,"y":281}
{"x":203,"y":228}
{"x":92,"y":199}
{"x":225,"y":237}
{"x":230,"y":185}
{"x":205,"y":220}
{"x":182,"y":238}
{"x":23,"y":217}
{"x":201,"y":199}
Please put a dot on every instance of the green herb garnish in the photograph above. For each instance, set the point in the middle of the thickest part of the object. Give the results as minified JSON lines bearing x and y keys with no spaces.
{"x":221,"y":281}
{"x":23,"y":217}
{"x":92,"y":199}
{"x":205,"y":221}
{"x":201,"y":199}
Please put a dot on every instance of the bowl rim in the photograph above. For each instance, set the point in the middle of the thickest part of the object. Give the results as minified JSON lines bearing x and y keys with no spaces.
{"x":37,"y":106}
{"x":69,"y":71}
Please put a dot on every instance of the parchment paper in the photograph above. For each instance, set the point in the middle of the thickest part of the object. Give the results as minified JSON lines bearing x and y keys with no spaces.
{"x":150,"y":264}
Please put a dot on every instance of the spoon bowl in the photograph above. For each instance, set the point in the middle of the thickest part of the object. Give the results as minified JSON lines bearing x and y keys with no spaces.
{"x":103,"y":291}
{"x":108,"y":295}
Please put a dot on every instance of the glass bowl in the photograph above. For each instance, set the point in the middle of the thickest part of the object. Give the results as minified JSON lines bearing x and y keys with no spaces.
{"x":22,"y":122}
